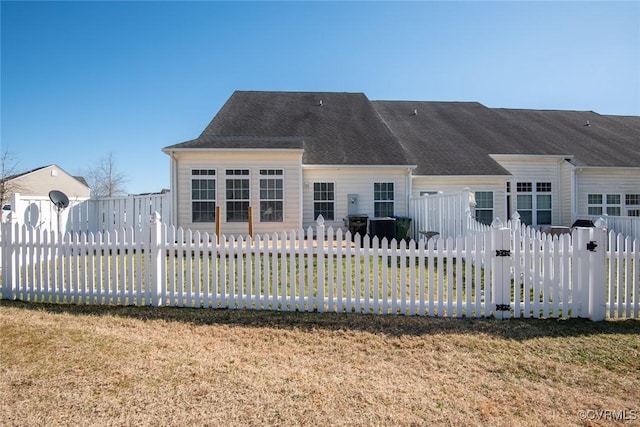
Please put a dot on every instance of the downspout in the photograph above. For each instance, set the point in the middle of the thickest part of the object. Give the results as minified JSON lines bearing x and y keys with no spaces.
{"x":574,"y":193}
{"x":174,"y":189}
{"x":301,"y":207}
{"x":409,"y":186}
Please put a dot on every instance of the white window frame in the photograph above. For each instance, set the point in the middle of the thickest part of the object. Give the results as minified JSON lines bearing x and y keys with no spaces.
{"x":273,"y":197}
{"x":485,"y":209}
{"x":631,"y":207}
{"x":207,"y":176}
{"x":607,"y":204}
{"x":233,"y":175}
{"x":378,"y":202}
{"x":327,"y":201}
{"x":535,"y":193}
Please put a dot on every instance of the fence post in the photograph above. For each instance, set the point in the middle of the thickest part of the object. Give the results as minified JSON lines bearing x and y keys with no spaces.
{"x":500,"y":268}
{"x":597,"y":274}
{"x":9,"y":258}
{"x":580,"y":238}
{"x":155,"y":258}
{"x":7,"y":283}
{"x":515,"y":222}
{"x":320,"y":238}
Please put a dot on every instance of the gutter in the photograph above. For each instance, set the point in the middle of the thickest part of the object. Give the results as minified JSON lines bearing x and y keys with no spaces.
{"x":410,"y":167}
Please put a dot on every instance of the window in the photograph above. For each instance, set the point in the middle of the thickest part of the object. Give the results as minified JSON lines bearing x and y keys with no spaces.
{"x":594,"y":204}
{"x":632,"y":202}
{"x":203,"y":195}
{"x":238,"y":172}
{"x":237,"y":195}
{"x":632,"y":199}
{"x":613,"y":204}
{"x":271,"y":195}
{"x":524,"y":202}
{"x":484,"y":207}
{"x":543,"y":203}
{"x":383,"y":199}
{"x":599,"y":204}
{"x":324,"y":200}
{"x":534,"y":202}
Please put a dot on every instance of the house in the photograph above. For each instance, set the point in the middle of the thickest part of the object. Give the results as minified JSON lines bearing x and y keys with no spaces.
{"x":292,"y":156}
{"x":39,"y":182}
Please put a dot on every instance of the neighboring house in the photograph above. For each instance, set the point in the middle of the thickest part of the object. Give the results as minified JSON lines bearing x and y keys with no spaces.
{"x":40,"y":181}
{"x":295,"y":155}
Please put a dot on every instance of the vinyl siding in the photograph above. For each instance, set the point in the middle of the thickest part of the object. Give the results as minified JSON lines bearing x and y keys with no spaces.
{"x":541,"y":169}
{"x":566,"y":194}
{"x":353,"y":180}
{"x":42,"y":181}
{"x":288,"y":161}
{"x":605,"y":181}
{"x":446,"y":184}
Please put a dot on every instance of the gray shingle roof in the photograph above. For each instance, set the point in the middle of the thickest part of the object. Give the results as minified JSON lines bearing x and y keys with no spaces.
{"x":592,"y":139}
{"x":441,"y":138}
{"x":248,"y":142}
{"x":344,"y":130}
{"x":456,"y":138}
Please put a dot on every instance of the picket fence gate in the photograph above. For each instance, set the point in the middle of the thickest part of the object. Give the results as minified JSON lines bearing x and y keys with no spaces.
{"x":504,"y":272}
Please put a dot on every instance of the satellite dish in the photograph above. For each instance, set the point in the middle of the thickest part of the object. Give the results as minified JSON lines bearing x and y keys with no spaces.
{"x":59,"y":199}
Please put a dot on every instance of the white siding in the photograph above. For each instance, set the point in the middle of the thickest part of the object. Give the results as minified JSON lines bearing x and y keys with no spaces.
{"x":289,"y":161}
{"x":353,"y":180}
{"x":42,"y":181}
{"x":541,"y":169}
{"x":605,"y":181}
{"x":446,"y":184}
{"x":566,"y":194}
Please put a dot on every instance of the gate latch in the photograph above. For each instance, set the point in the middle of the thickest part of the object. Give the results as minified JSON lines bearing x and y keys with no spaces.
{"x":591,"y":246}
{"x":503,"y":307}
{"x":503,"y":252}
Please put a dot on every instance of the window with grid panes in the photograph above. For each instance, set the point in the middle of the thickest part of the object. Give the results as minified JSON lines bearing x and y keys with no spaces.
{"x":271,"y":195}
{"x":484,"y":207}
{"x":534,"y":202}
{"x":632,"y":204}
{"x":324,"y":200}
{"x":543,"y":203}
{"x":594,"y":204}
{"x":383,"y":197}
{"x":237,"y":192}
{"x":203,"y":195}
{"x":614,"y":206}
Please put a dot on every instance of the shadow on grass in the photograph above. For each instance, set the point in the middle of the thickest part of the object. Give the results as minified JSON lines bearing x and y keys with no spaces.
{"x":515,"y":329}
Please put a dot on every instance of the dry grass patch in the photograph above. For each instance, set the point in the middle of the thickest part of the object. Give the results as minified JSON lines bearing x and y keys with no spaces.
{"x":81,"y":365}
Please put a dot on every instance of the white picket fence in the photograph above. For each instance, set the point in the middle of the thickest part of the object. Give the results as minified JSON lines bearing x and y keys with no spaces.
{"x":447,"y":214}
{"x":91,"y":215}
{"x":502,"y":272}
{"x":626,"y":225}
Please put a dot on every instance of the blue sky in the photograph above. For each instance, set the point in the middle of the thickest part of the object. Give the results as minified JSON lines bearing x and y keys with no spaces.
{"x":82,"y":79}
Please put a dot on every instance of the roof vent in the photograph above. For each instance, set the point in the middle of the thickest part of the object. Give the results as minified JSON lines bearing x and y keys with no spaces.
{"x":415,"y":112}
{"x":587,"y":123}
{"x":320,"y":103}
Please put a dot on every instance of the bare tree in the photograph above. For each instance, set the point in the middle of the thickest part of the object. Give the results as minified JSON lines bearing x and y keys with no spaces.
{"x":8,"y":168}
{"x":105,"y":180}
